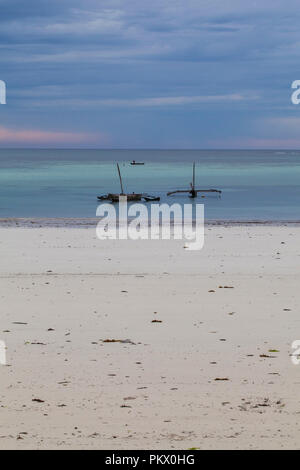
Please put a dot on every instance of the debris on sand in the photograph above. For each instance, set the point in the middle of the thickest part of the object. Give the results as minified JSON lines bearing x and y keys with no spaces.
{"x":124,"y":341}
{"x":261,"y":403}
{"x":267,"y":355}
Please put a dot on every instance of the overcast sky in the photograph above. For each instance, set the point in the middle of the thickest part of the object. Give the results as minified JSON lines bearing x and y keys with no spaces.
{"x":149,"y":74}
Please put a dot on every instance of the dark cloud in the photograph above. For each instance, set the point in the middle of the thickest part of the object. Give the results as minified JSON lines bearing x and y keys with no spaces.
{"x":61,"y":55}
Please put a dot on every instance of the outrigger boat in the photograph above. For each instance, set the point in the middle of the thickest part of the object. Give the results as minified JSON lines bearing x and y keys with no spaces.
{"x":114,"y":197}
{"x":193,"y":192}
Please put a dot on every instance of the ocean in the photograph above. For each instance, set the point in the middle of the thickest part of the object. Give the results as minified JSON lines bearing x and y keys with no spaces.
{"x":257,"y":185}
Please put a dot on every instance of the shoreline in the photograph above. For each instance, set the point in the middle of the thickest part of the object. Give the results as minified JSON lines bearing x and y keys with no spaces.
{"x":91,"y":222}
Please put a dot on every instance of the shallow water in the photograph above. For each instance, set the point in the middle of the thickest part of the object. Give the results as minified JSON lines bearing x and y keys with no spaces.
{"x":256,"y":185}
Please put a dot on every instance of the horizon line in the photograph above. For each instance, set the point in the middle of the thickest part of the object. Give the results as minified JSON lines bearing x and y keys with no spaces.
{"x":152,"y":149}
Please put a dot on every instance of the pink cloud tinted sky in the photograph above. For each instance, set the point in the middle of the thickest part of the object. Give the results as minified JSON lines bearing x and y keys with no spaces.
{"x":255,"y":143}
{"x":49,"y":138}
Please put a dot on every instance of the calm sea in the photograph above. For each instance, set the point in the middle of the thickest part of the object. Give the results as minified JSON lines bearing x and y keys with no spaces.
{"x":256,"y":185}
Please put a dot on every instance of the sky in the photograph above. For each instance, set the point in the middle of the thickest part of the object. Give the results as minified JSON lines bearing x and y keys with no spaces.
{"x":149,"y":74}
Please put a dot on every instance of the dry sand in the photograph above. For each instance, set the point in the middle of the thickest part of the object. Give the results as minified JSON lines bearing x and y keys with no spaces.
{"x":157,"y":388}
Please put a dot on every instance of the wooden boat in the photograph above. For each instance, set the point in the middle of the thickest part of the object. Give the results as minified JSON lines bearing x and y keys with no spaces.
{"x":130,"y":197}
{"x":136,"y":163}
{"x":193,"y":192}
{"x":115,"y":197}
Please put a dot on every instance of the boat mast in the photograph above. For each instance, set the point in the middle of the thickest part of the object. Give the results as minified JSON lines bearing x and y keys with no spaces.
{"x":193,"y":184}
{"x":120,"y":177}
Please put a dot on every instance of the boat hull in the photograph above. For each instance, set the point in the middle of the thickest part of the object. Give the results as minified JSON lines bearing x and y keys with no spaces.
{"x":130,"y":197}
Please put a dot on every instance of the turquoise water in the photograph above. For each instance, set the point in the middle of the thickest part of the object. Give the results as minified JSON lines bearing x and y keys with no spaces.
{"x":256,"y":185}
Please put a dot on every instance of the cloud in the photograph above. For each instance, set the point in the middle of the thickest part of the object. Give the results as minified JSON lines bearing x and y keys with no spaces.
{"x":256,"y":143}
{"x":192,"y":29}
{"x":90,"y":55}
{"x":172,"y":100}
{"x":106,"y":22}
{"x":41,"y":137}
{"x":281,"y":132}
{"x":286,"y":125}
{"x":143,"y":102}
{"x":215,"y":66}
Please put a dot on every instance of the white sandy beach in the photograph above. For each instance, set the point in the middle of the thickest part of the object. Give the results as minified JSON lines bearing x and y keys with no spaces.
{"x":63,"y":292}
